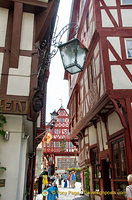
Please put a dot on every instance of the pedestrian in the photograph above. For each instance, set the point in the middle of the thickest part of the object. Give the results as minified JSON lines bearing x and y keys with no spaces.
{"x":52,"y":192}
{"x":60,"y":179}
{"x":129,"y":187}
{"x":65,"y":180}
{"x":70,"y":179}
{"x":73,"y":179}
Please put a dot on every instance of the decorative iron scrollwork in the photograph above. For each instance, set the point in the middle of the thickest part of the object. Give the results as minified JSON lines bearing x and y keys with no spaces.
{"x":45,"y":55}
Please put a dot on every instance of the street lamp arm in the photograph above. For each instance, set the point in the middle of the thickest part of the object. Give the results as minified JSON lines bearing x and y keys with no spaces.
{"x":42,"y":134}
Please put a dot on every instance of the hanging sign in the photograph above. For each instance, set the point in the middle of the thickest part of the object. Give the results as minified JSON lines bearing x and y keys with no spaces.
{"x":48,"y":137}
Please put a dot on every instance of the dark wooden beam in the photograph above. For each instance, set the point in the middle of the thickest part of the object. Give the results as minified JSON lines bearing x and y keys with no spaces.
{"x":32,"y":2}
{"x":43,"y":20}
{"x":90,"y":115}
{"x":16,"y":34}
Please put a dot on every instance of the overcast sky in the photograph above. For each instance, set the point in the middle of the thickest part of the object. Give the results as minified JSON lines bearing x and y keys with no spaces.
{"x":57,"y":88}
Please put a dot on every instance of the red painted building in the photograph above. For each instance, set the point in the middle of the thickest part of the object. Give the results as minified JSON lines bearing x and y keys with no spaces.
{"x":100,"y":103}
{"x":60,"y":152}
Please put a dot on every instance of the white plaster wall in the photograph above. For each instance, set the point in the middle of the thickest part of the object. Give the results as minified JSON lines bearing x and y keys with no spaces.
{"x":86,"y":136}
{"x":102,"y":86}
{"x":1,"y":64}
{"x":82,"y":4}
{"x":126,"y":17}
{"x":9,"y":157}
{"x":97,"y":65}
{"x":46,"y":1}
{"x":38,"y":120}
{"x":114,"y":123}
{"x":119,"y":78}
{"x":3,"y":25}
{"x":99,"y":136}
{"x":110,"y":2}
{"x":106,"y":22}
{"x":22,"y":168}
{"x":129,"y":67}
{"x":91,"y":178}
{"x":26,"y":42}
{"x":19,"y":79}
{"x":104,"y":135}
{"x":92,"y":136}
{"x":111,"y":56}
{"x":115,"y":42}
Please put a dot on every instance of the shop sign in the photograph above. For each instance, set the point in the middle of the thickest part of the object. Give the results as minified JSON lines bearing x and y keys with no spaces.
{"x":13,"y":106}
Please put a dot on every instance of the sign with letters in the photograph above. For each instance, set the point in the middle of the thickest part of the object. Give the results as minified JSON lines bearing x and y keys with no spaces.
{"x":13,"y":106}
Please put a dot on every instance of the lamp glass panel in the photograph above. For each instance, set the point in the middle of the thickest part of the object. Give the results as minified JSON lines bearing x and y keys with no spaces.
{"x":68,"y":55}
{"x":81,"y":54}
{"x":73,"y":69}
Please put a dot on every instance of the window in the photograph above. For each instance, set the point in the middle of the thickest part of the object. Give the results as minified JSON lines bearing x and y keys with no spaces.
{"x":126,"y":2}
{"x":119,"y":160}
{"x":70,"y":145}
{"x":129,"y":48}
{"x":58,"y":144}
{"x":54,"y":144}
{"x":59,"y":163}
{"x":72,"y":162}
{"x":51,"y":143}
{"x":95,"y":166}
{"x":57,"y":131}
{"x":68,"y":163}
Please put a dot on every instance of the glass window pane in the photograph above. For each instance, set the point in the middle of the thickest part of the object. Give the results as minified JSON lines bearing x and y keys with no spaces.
{"x":119,"y":161}
{"x":129,"y":53}
{"x":126,"y":2}
{"x":129,"y":44}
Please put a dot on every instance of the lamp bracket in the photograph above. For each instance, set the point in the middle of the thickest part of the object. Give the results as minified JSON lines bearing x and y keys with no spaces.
{"x":47,"y":49}
{"x":55,"y":41}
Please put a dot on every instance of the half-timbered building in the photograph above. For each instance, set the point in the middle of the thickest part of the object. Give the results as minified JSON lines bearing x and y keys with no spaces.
{"x":24,"y":24}
{"x":100,"y":104}
{"x":60,"y":153}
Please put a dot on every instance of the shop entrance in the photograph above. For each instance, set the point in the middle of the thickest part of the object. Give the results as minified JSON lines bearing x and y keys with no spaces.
{"x":106,"y":179}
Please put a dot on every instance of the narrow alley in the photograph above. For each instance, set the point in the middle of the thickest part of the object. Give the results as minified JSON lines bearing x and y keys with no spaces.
{"x":67,"y":193}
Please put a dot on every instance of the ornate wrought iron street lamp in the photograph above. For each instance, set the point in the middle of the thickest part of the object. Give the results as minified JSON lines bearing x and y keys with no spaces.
{"x":73,"y":55}
{"x":54,"y":116}
{"x":73,"y":52}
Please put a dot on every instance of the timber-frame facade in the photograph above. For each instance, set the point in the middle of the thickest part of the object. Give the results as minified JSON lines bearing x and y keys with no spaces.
{"x":60,"y":149}
{"x":100,"y":104}
{"x":24,"y":24}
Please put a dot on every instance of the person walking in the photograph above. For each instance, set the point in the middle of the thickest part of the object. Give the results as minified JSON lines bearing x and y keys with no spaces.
{"x":65,"y":180}
{"x":73,"y":179}
{"x":70,"y":179}
{"x":129,"y":187}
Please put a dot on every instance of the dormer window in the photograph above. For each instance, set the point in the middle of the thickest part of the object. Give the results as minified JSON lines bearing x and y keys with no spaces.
{"x":126,"y":2}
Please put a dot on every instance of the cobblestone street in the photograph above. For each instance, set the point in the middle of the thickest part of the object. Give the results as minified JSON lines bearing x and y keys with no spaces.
{"x":67,"y":193}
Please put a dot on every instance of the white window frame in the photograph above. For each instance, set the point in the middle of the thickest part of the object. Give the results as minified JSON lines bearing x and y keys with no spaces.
{"x":126,"y":39}
{"x":126,"y":3}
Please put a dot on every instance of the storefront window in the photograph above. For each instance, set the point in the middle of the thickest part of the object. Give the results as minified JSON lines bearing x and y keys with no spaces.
{"x":119,"y":161}
{"x":95,"y":165}
{"x":119,"y":166}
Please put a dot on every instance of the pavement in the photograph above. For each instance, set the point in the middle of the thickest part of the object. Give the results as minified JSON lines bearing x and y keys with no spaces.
{"x":67,"y":193}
